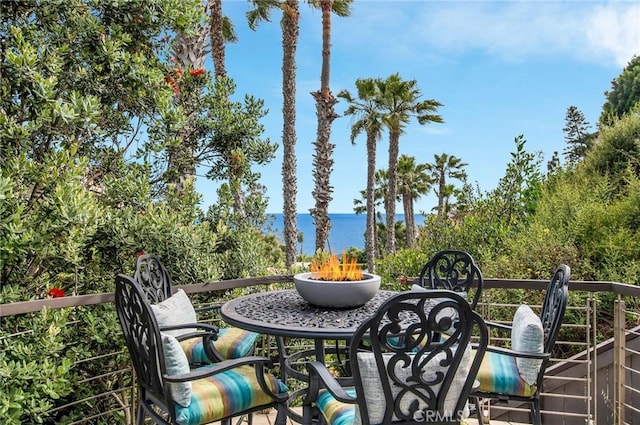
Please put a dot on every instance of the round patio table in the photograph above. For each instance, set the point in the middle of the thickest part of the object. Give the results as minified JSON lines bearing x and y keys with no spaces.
{"x":284,"y":313}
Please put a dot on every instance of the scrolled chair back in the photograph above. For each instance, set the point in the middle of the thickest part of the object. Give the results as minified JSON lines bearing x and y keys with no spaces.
{"x":455,"y":271}
{"x":419,"y":366}
{"x":142,"y":336}
{"x":153,"y":277}
{"x":554,"y":305}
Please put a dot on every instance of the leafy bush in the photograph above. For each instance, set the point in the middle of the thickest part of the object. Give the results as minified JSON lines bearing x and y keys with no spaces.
{"x":405,"y":263}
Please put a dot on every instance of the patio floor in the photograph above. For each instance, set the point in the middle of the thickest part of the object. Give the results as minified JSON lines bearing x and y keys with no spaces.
{"x":268,"y":417}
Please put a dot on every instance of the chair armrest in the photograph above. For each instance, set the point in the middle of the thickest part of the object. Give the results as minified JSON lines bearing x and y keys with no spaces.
{"x":217,"y":368}
{"x":208,"y":308}
{"x":204,"y":326}
{"x":320,"y":377}
{"x":209,"y":334}
{"x":498,"y":326}
{"x":520,"y":354}
{"x":258,"y":362}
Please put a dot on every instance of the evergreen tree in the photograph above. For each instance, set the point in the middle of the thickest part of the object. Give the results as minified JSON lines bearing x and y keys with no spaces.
{"x":553,"y":163}
{"x":576,"y":133}
{"x":624,"y":94}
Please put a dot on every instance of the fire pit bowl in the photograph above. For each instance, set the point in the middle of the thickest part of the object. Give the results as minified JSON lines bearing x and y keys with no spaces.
{"x":336,"y":294}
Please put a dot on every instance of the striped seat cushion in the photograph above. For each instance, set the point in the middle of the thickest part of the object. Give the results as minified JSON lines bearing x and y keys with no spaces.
{"x":499,"y":374}
{"x":336,"y":412}
{"x":232,"y":343}
{"x":226,"y":394}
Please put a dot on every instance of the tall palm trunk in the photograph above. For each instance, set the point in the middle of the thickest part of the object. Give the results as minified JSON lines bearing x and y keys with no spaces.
{"x":290,"y":31}
{"x":407,"y":205}
{"x":370,"y":232}
{"x":216,"y":19}
{"x":323,"y":158}
{"x":441,"y":193}
{"x":217,"y":37}
{"x":392,"y":191}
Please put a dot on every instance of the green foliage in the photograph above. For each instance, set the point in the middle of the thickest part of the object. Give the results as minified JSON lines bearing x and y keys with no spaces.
{"x":515,"y":198}
{"x":245,"y":252}
{"x":359,"y":254}
{"x":624,"y":94}
{"x":83,"y":84}
{"x":41,"y":362}
{"x":46,"y":215}
{"x":404,"y":263}
{"x":533,"y":254}
{"x":597,"y":220}
{"x":618,"y":147}
{"x":207,"y":129}
{"x":576,"y":134}
{"x":78,"y":72}
{"x":34,"y":369}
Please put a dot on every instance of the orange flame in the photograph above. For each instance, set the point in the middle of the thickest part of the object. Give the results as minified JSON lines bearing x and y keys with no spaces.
{"x":331,"y":269}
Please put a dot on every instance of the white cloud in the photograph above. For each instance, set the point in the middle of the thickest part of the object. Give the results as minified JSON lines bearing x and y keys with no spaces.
{"x":615,"y":31}
{"x":513,"y":30}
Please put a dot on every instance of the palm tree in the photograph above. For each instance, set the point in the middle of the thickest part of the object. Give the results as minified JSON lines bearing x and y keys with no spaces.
{"x":369,"y":120}
{"x":221,"y":31}
{"x":380,"y":198}
{"x":413,"y":182}
{"x":449,"y":191}
{"x":189,"y":53}
{"x":290,"y":31}
{"x":400,"y":102}
{"x":325,"y":102}
{"x":444,"y":167}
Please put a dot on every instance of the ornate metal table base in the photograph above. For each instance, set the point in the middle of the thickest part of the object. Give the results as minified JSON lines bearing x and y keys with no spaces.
{"x":285,"y":314}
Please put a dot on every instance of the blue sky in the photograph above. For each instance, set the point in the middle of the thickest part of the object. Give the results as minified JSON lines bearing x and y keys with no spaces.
{"x":500,"y":68}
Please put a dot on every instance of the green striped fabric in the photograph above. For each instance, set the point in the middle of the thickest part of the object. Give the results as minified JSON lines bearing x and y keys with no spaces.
{"x":499,"y":374}
{"x":226,"y":394}
{"x":336,"y":412}
{"x":232,"y":343}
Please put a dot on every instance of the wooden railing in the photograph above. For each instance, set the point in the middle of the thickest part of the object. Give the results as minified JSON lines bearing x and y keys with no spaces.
{"x":594,"y":380}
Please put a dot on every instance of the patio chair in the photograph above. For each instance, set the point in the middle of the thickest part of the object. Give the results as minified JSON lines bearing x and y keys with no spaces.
{"x":176,"y":309}
{"x":169,"y":391}
{"x":455,"y":271}
{"x":517,"y":373}
{"x":407,"y":374}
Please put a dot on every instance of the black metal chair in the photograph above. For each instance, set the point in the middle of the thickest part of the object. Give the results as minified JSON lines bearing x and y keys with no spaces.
{"x":231,"y":342}
{"x":517,"y":373}
{"x":455,"y":271}
{"x":169,"y":391}
{"x":407,"y":373}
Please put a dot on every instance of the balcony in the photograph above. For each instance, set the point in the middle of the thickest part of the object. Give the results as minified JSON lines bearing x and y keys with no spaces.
{"x":594,"y":377}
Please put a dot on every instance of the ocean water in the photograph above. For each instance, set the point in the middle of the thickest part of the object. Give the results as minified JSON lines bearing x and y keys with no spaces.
{"x":347,"y":230}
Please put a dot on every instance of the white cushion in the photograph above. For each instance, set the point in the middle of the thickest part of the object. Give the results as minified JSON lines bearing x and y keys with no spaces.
{"x":527,"y":335}
{"x":176,"y":363}
{"x":374,"y":395}
{"x":175,"y":310}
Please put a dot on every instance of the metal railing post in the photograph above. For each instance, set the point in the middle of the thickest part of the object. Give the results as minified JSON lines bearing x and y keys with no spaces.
{"x":592,"y":359}
{"x":134,"y":397}
{"x":619,"y":359}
